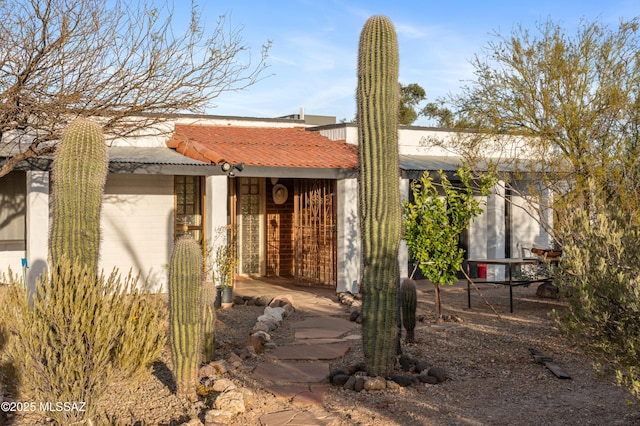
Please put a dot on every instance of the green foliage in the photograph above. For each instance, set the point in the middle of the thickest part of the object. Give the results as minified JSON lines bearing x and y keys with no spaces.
{"x":410,"y":96}
{"x":78,"y":176}
{"x":185,"y":313}
{"x":575,"y":94}
{"x":379,"y":193}
{"x":408,"y":304}
{"x":78,"y":334}
{"x":433,"y":223}
{"x":223,"y":261}
{"x":600,"y":275}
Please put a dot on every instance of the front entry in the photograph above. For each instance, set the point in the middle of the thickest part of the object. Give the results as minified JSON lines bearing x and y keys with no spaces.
{"x":315,"y":232}
{"x":287,"y":228}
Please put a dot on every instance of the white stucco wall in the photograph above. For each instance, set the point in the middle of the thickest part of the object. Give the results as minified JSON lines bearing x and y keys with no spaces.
{"x":348,"y":236}
{"x":37,"y":231}
{"x":496,"y":244}
{"x":137,"y":226}
{"x":37,"y":223}
{"x":216,"y":194}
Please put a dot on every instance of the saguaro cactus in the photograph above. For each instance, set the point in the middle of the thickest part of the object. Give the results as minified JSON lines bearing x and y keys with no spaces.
{"x":379,"y":193}
{"x":79,"y":173}
{"x":408,"y":304}
{"x":185,"y":308}
{"x":208,"y":321}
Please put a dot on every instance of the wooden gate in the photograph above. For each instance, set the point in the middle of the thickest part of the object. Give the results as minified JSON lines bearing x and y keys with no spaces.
{"x":315,"y":232}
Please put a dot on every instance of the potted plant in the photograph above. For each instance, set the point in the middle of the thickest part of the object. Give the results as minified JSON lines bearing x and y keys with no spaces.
{"x":222,"y":261}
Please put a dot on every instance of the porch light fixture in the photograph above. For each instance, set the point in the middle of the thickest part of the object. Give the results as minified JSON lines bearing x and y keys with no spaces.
{"x":229,"y":168}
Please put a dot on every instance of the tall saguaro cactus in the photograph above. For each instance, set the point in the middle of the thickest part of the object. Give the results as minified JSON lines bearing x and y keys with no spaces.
{"x":79,"y":173}
{"x":185,"y":313}
{"x":379,"y":193}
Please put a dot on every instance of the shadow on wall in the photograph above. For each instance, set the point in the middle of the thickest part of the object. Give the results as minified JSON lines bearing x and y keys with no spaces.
{"x":352,"y":254}
{"x":37,"y":269}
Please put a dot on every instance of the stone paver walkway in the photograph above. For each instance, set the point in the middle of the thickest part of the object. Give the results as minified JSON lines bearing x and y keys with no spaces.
{"x":298,"y":372}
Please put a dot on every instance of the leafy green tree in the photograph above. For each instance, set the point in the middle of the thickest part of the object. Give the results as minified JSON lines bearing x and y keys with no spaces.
{"x":410,"y":97}
{"x":433,"y":221}
{"x":576,"y":98}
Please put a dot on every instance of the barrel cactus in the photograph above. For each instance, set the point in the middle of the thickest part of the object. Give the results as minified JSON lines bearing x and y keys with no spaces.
{"x":79,"y":174}
{"x":379,"y":193}
{"x":185,"y":308}
{"x":408,"y":305}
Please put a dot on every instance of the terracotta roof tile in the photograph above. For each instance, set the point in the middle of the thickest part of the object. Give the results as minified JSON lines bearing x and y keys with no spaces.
{"x":262,"y":146}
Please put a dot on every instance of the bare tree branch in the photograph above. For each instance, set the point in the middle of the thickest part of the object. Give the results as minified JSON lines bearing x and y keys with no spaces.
{"x":60,"y":59}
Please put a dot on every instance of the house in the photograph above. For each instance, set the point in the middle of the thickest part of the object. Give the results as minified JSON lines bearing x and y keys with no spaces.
{"x":286,"y":187}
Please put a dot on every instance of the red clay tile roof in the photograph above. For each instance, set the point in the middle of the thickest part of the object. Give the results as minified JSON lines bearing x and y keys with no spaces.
{"x":262,"y":146}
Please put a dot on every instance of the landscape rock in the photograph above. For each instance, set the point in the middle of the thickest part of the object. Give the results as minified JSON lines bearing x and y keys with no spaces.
{"x":263,"y":336}
{"x":214,"y":369}
{"x":393,"y":385}
{"x":223,"y":385}
{"x":407,"y":362}
{"x":360,"y":366}
{"x":547,"y":290}
{"x":272,"y":314}
{"x":439,"y":373}
{"x":421,"y":366}
{"x":430,"y":380}
{"x":217,"y":417}
{"x":255,"y":343}
{"x":281,"y":301}
{"x":359,"y":385}
{"x":193,"y":422}
{"x":375,"y":383}
{"x":249,"y":352}
{"x":350,"y":384}
{"x":231,"y":401}
{"x":248,"y":397}
{"x":340,"y":379}
{"x":260,"y":326}
{"x":262,"y":300}
{"x":354,"y":316}
{"x":288,"y":309}
{"x":402,"y":380}
{"x":234,"y":360}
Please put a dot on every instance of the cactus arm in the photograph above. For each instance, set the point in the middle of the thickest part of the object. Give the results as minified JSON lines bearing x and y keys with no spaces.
{"x":408,"y":298}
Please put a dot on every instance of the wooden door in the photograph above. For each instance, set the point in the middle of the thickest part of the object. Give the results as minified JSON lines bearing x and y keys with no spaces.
{"x":315,"y":232}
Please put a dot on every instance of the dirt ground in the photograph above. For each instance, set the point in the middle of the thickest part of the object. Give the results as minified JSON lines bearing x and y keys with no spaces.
{"x":492,"y":377}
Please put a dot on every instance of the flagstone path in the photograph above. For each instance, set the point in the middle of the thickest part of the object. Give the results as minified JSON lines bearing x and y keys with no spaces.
{"x":298,"y":372}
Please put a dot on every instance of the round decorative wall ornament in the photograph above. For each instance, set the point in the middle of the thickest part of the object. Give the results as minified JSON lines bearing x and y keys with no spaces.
{"x":280,"y":194}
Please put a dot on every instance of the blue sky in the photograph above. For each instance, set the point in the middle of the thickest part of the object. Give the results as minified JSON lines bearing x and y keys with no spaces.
{"x":315,"y":43}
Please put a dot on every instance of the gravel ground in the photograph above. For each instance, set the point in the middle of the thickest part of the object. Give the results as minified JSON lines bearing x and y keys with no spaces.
{"x":492,"y":378}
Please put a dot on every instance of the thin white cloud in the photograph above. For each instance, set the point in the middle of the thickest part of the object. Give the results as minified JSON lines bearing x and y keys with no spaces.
{"x":411,"y":31}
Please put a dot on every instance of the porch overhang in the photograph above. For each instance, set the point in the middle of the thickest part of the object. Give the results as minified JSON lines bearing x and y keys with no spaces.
{"x":139,"y":160}
{"x":413,"y":166}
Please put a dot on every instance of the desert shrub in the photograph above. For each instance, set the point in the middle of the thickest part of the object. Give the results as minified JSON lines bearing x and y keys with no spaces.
{"x":77,"y":333}
{"x":600,"y":275}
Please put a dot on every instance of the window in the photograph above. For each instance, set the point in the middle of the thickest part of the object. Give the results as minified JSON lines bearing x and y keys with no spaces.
{"x":13,"y":211}
{"x":189,"y":206}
